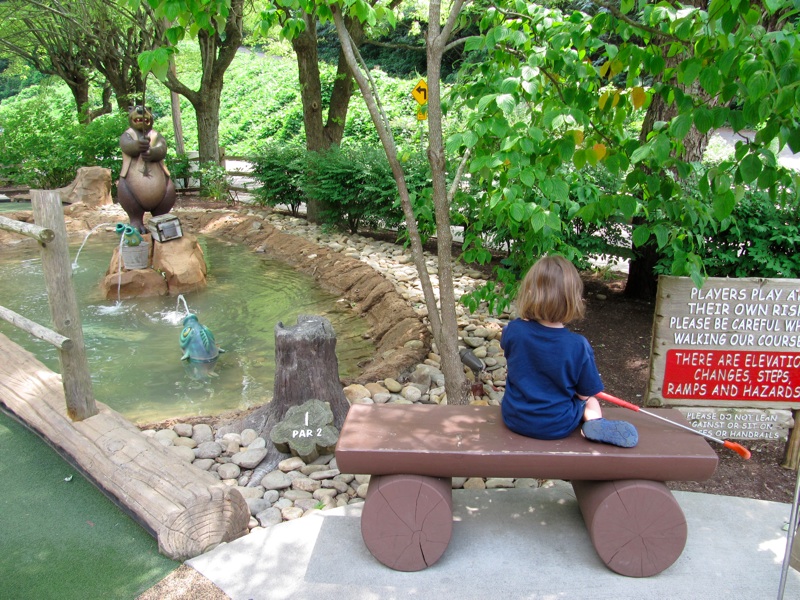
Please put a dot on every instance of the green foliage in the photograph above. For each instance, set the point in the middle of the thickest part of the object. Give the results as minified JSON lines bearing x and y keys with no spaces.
{"x":279,"y":170}
{"x":355,"y":185}
{"x":558,"y":91}
{"x":763,"y":240}
{"x":16,"y":76}
{"x":179,"y":166}
{"x":214,"y":183}
{"x":42,"y":144}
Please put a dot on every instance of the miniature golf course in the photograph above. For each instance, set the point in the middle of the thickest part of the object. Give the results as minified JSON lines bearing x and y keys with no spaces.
{"x":61,"y":537}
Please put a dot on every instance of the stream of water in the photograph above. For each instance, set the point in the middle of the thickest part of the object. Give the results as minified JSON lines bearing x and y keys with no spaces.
{"x":133,"y":346}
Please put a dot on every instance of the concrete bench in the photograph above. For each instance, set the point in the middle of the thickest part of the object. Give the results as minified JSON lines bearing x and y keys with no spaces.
{"x":411,"y":452}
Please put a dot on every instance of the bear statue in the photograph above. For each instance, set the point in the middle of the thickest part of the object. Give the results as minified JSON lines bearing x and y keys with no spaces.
{"x":144,"y":182}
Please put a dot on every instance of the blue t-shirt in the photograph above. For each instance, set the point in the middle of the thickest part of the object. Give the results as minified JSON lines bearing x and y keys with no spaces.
{"x":548,"y":368}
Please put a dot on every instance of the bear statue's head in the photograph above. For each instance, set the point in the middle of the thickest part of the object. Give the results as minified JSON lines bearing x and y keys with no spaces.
{"x":140,"y":118}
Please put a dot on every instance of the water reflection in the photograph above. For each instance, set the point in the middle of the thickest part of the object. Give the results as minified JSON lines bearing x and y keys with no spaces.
{"x":133,"y":346}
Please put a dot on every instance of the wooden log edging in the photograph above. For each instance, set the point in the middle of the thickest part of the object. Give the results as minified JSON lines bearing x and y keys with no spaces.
{"x":187,"y":510}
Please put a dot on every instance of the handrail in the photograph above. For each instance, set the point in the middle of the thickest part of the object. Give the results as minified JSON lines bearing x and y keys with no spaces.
{"x":51,"y":232}
{"x":36,"y":330}
{"x":40,"y":234}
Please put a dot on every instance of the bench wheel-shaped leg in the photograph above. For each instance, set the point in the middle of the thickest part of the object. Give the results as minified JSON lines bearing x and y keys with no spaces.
{"x":636,"y":526}
{"x":407,"y":520}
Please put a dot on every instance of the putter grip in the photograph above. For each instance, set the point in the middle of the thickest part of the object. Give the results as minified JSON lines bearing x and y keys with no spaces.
{"x":617,"y":401}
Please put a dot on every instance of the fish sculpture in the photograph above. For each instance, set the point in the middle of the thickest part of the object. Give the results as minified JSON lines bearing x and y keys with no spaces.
{"x":197,"y":342}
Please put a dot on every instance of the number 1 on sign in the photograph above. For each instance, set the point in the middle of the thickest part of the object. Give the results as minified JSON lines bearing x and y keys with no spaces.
{"x":306,"y":418}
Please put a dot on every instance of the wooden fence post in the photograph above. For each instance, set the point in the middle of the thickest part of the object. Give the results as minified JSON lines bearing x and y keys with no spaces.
{"x":77,"y":381}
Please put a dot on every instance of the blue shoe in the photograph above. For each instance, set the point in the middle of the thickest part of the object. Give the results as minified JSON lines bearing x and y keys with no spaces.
{"x":618,"y":433}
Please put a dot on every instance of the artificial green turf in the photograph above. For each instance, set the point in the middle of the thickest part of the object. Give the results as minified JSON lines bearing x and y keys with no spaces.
{"x":60,"y":537}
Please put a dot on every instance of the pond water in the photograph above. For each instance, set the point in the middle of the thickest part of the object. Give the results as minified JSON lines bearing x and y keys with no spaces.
{"x":14,"y":206}
{"x":133,"y":346}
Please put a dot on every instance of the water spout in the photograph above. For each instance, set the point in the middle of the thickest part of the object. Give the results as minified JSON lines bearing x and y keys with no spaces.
{"x":86,"y":239}
{"x":185,"y":306}
{"x":119,"y":269}
{"x":174,"y":317}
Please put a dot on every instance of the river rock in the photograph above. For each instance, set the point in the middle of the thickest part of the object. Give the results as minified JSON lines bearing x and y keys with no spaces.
{"x":250,"y":458}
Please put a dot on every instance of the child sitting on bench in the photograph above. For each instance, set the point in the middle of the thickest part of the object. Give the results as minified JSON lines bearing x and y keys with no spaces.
{"x":552,"y":376}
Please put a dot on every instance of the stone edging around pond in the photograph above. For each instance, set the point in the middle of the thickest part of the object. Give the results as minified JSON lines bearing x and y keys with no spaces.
{"x":295,"y":488}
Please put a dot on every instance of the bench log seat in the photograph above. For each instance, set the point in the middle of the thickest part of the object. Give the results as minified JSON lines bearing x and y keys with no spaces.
{"x":411,"y":452}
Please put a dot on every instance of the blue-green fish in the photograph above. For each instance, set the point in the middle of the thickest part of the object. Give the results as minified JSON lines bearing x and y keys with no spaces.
{"x":197,"y":342}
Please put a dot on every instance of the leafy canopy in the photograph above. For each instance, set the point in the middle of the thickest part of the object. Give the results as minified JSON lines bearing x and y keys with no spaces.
{"x":561,"y":92}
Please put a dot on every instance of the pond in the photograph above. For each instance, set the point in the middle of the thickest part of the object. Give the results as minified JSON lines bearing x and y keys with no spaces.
{"x":6,"y":207}
{"x":133,"y":346}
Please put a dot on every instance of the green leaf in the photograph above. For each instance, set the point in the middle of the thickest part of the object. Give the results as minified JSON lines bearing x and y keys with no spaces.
{"x":679,"y":126}
{"x":506,"y":103}
{"x":641,"y":153}
{"x":640,"y":235}
{"x":627,"y":205}
{"x":662,"y":234}
{"x":723,"y":205}
{"x":750,"y":168}
{"x":661,"y":148}
{"x":566,"y":147}
{"x":794,"y":140}
{"x":579,"y":159}
{"x":757,"y":86}
{"x":688,"y":71}
{"x":517,"y":212}
{"x":710,"y":80}
{"x":703,"y":119}
{"x":528,"y":177}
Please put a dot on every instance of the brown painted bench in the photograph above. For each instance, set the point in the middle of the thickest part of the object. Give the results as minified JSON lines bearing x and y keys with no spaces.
{"x":411,"y":451}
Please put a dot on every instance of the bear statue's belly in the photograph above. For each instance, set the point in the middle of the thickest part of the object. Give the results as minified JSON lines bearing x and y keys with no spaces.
{"x":148,"y":188}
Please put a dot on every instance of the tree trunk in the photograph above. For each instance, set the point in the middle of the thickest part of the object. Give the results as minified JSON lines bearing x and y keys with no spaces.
{"x":319,"y":136}
{"x":642,"y":281}
{"x":80,"y":93}
{"x":217,"y":52}
{"x":439,"y":311}
{"x":207,"y":114}
{"x":305,"y":48}
{"x":306,"y":368}
{"x":456,"y":384}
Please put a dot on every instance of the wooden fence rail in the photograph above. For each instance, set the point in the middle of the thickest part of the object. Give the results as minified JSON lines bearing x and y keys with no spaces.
{"x":51,"y":233}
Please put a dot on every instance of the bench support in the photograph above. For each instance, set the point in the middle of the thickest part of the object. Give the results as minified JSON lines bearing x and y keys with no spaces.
{"x":407,"y":520}
{"x":636,"y":526}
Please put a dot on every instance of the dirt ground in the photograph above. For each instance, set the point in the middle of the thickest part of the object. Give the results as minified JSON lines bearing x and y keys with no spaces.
{"x":620,"y":331}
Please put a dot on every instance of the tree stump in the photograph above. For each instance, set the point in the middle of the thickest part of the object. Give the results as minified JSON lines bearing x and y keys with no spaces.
{"x":306,"y":367}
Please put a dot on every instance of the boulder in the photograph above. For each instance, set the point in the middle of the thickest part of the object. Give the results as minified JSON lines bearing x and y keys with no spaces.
{"x":176,"y":267}
{"x":91,"y":186}
{"x":182,"y":263}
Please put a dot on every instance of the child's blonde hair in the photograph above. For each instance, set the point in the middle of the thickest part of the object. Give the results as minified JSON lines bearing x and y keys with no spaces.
{"x":551,"y":291}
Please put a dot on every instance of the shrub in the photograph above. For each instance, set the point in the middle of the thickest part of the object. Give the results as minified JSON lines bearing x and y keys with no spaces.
{"x":354,"y":185}
{"x":279,"y":170}
{"x":214,"y":182}
{"x":763,"y":240}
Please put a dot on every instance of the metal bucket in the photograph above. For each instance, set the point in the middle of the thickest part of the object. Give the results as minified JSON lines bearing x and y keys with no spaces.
{"x":135,"y":257}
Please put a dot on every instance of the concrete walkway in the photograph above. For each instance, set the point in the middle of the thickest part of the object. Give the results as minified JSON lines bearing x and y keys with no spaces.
{"x":514,"y":544}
